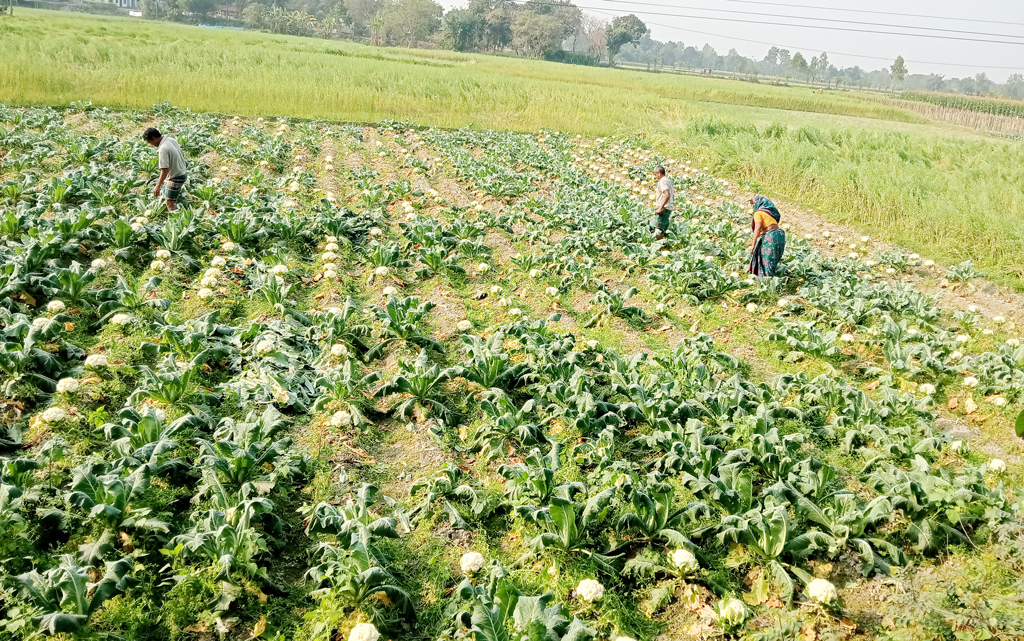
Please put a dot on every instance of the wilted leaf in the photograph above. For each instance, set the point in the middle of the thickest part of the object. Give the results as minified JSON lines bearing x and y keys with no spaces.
{"x":126,"y":542}
{"x":260,"y":627}
{"x":954,"y":403}
{"x":694,"y":597}
{"x":808,"y":633}
{"x":970,"y":406}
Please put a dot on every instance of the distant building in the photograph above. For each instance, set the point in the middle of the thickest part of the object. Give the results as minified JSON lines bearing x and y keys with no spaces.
{"x":124,"y":4}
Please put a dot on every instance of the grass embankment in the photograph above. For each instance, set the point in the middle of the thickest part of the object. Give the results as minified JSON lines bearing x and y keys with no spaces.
{"x":952,"y":193}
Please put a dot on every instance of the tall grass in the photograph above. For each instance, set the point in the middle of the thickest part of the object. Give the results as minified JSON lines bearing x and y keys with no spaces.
{"x":953,"y":193}
{"x":53,"y":58}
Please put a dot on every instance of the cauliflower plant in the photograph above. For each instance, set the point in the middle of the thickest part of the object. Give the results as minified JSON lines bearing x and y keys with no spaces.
{"x":590,"y":590}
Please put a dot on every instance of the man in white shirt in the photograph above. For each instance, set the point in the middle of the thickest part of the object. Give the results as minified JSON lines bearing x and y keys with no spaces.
{"x":664,"y":203}
{"x":172,"y":166}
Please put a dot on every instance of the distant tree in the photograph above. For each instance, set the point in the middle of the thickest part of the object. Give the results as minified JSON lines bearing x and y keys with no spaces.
{"x":983,"y":83}
{"x":784,"y":58}
{"x":498,"y":25}
{"x":198,"y":9}
{"x":1014,"y":87}
{"x":536,"y":34}
{"x":462,"y":29}
{"x":159,"y":9}
{"x":362,"y":13}
{"x":799,"y":64}
{"x":733,"y":60}
{"x":595,"y":30}
{"x":853,"y":75}
{"x":623,"y":30}
{"x":253,"y":15}
{"x":411,"y":21}
{"x":748,"y":67}
{"x":376,"y":29}
{"x":325,"y":27}
{"x":823,"y":66}
{"x":710,"y":57}
{"x":898,"y":71}
{"x":571,"y":18}
{"x":935,"y":82}
{"x":772,"y":57}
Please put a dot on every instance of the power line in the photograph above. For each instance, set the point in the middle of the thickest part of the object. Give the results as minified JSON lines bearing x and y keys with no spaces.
{"x":838,"y":53}
{"x":790,"y":24}
{"x":816,"y":19}
{"x":881,"y":13}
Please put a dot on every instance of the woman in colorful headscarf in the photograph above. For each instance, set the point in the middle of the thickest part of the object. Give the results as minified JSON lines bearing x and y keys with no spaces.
{"x":769,"y":242}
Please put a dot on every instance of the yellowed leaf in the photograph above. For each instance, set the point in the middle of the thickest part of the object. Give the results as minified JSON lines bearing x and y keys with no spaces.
{"x":954,"y":403}
{"x":69,"y":327}
{"x":871,"y":386}
{"x":260,"y":626}
{"x":970,"y":406}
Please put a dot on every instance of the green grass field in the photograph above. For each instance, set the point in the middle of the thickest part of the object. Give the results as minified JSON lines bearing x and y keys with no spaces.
{"x":929,"y":186}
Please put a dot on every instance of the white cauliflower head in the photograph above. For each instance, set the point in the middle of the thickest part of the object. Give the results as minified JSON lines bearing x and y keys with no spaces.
{"x":732,"y":612}
{"x":471,"y":562}
{"x":363,"y":632}
{"x":685,"y":561}
{"x":822,"y":591}
{"x":590,"y":590}
{"x":96,"y":360}
{"x":53,"y":415}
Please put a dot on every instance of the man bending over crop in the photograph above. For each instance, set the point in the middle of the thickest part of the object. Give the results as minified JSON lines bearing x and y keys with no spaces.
{"x":172,"y":165}
{"x":664,"y":201}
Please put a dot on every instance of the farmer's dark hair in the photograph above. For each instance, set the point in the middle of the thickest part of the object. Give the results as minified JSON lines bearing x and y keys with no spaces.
{"x":151,"y":134}
{"x":660,"y":169}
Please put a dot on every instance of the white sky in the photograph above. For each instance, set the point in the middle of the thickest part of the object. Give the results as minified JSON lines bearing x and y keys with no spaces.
{"x":999,"y":20}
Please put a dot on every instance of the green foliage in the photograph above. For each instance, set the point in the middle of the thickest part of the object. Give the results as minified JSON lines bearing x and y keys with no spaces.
{"x":66,"y":597}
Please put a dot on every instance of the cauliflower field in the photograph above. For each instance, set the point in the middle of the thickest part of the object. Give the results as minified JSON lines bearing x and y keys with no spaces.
{"x":392,"y":382}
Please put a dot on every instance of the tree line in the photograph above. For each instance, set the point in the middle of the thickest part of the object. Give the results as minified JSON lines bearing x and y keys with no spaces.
{"x":550,"y":29}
